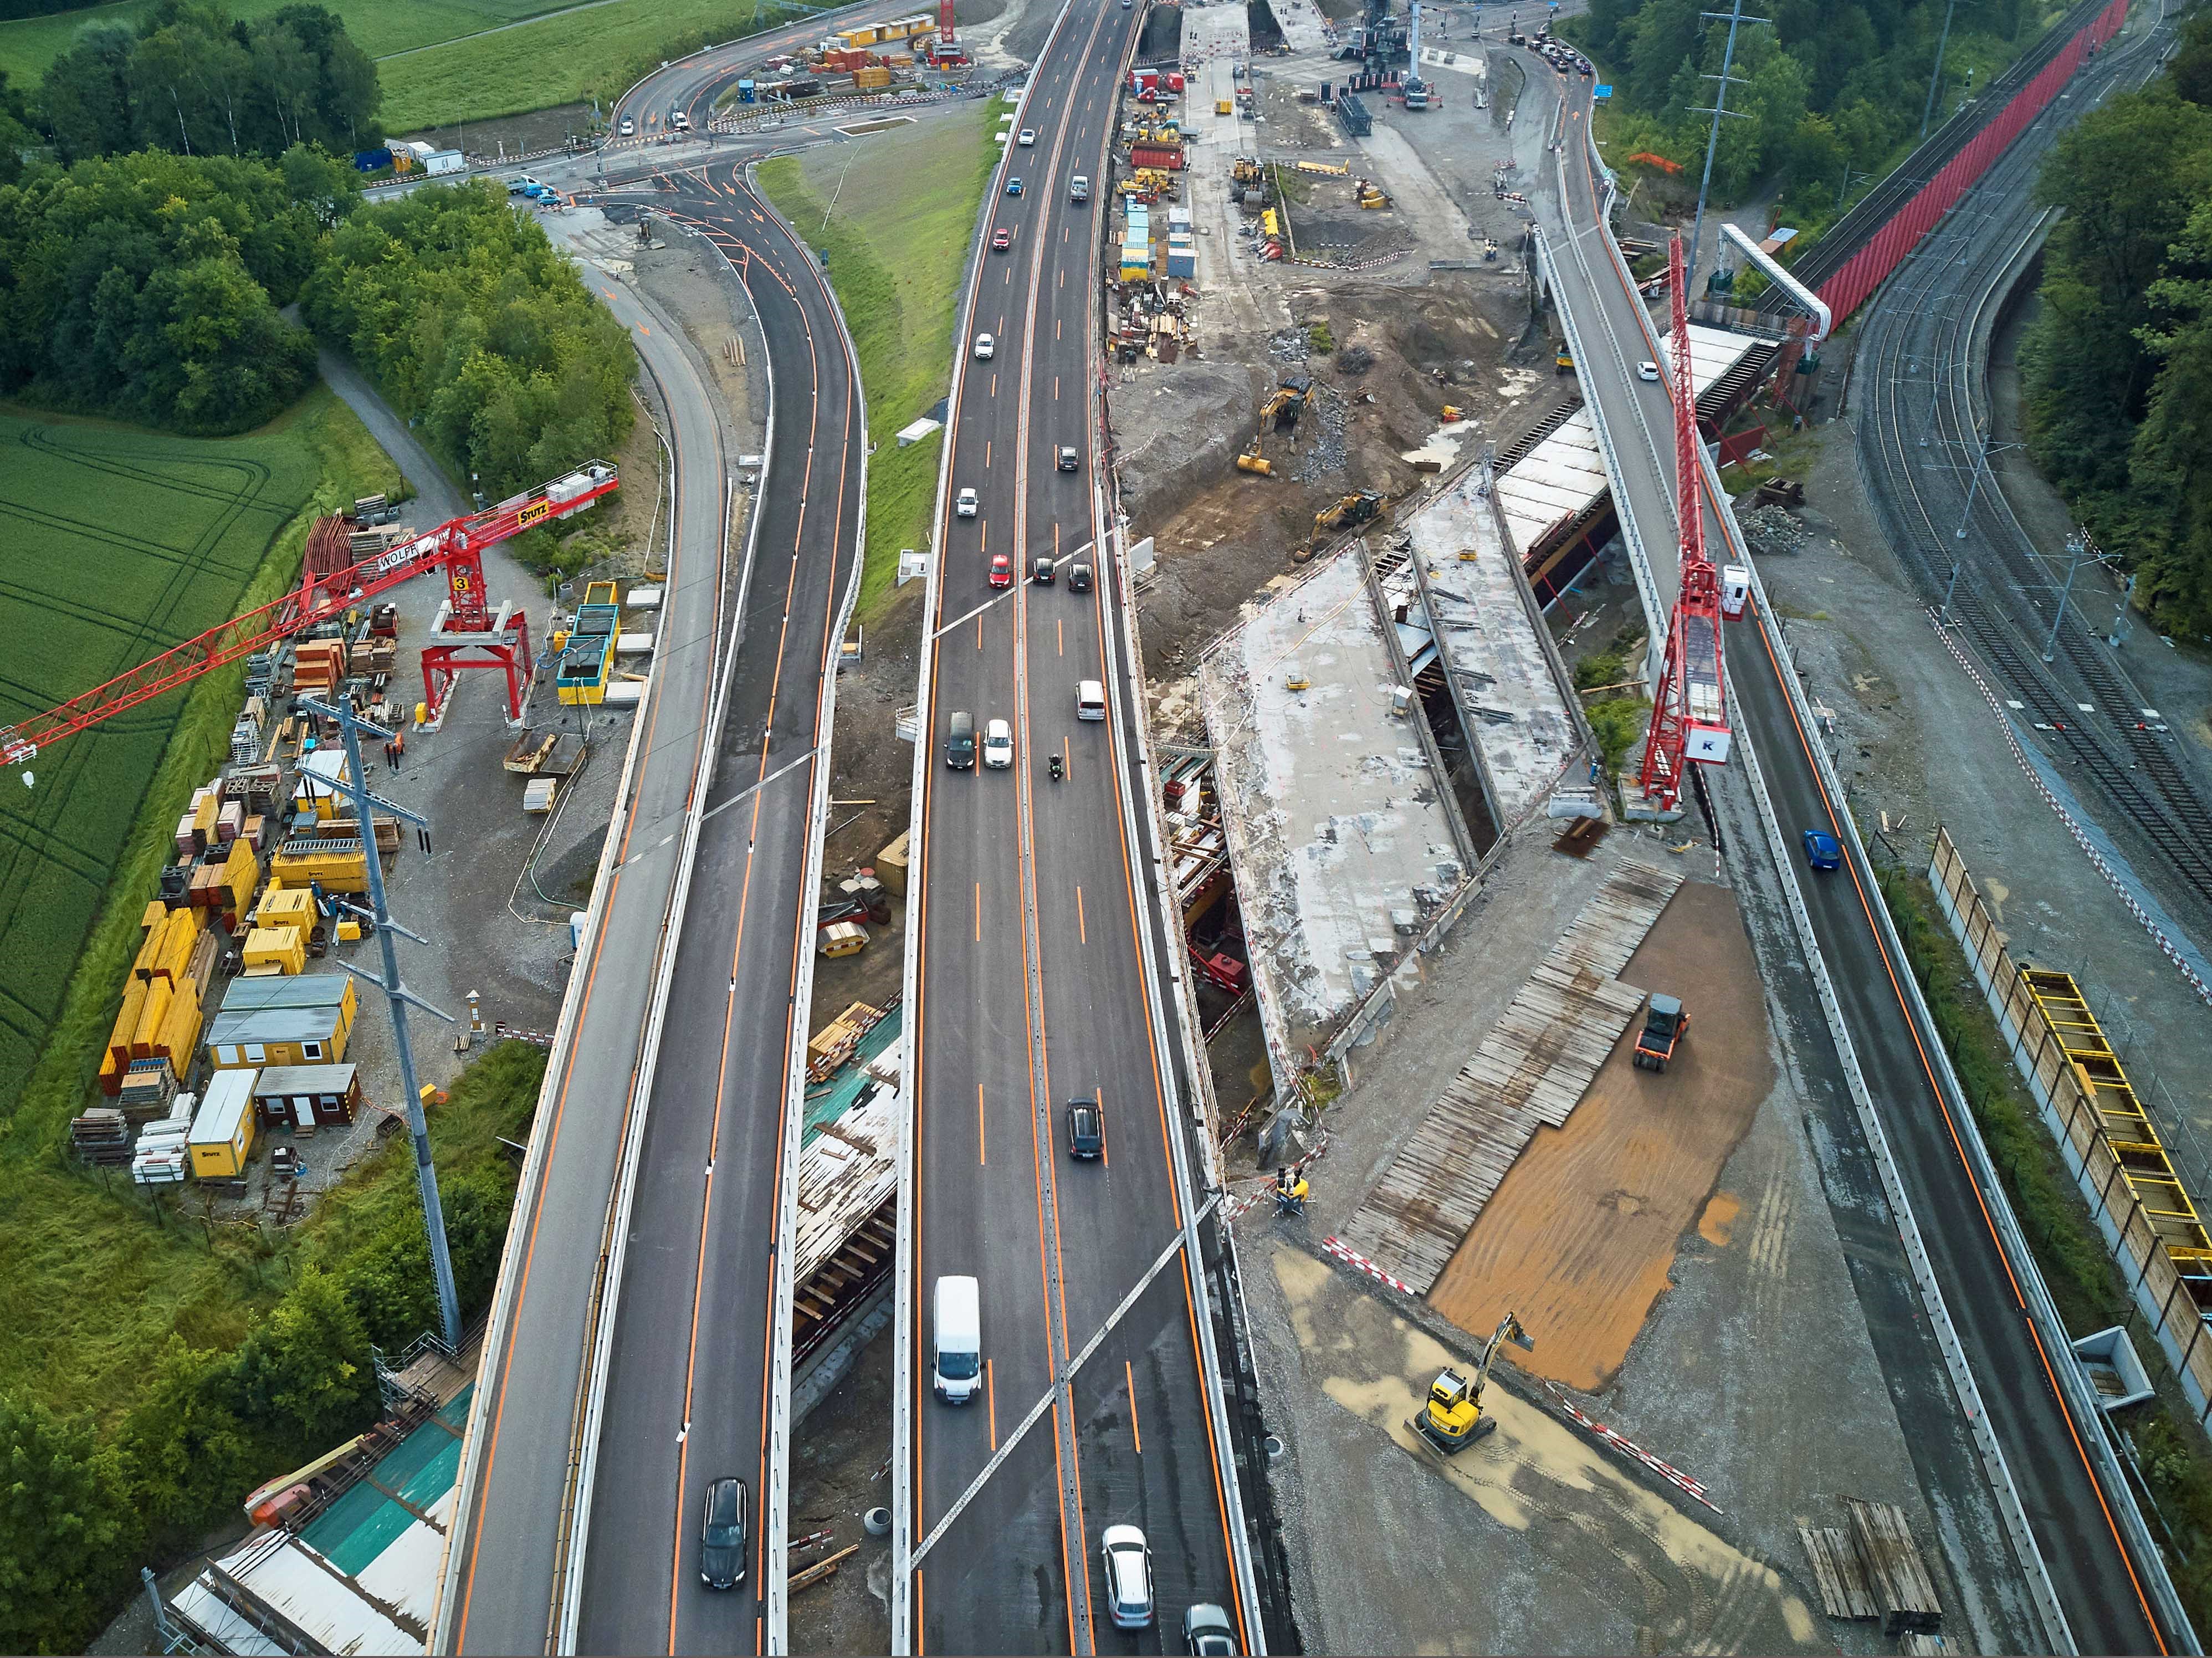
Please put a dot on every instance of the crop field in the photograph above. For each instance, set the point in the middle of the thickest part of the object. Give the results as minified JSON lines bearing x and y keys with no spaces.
{"x":596,"y":50}
{"x":114,"y":545}
{"x":897,"y":242}
{"x":381,"y":28}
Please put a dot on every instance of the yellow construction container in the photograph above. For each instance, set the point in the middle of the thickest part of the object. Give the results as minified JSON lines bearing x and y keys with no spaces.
{"x":871,"y":78}
{"x":222,"y":1135}
{"x":286,"y":906}
{"x":151,"y":1013}
{"x":110,"y":1073}
{"x":340,"y":865}
{"x":283,"y":948}
{"x":348,"y":933}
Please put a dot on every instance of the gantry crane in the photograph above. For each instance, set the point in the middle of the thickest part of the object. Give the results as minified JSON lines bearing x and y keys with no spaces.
{"x":467,"y":634}
{"x":1689,"y":713}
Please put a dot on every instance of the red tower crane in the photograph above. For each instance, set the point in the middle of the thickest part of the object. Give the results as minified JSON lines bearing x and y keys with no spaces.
{"x":947,"y":51}
{"x":467,"y":633}
{"x":1689,"y":714}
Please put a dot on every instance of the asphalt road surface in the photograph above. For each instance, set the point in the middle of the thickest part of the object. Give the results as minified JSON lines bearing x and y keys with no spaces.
{"x":687,"y":1394}
{"x":500,"y":1557}
{"x":1031,"y":989}
{"x":2089,"y":1569}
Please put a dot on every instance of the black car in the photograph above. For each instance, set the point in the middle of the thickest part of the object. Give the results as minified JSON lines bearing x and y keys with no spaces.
{"x":1041,"y":571}
{"x":1079,"y":577}
{"x":1069,"y":460}
{"x":1086,"y":1129}
{"x":724,"y":1535}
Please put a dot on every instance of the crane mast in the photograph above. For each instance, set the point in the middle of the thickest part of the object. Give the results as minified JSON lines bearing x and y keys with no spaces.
{"x":468,"y":632}
{"x":1689,"y":713}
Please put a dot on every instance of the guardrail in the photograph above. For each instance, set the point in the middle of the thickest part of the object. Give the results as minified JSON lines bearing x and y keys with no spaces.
{"x":614,"y":1238}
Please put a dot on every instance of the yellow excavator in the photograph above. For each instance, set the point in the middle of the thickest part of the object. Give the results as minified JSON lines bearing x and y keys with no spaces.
{"x":1452,"y":1419}
{"x":1283,"y":408}
{"x":1366,"y":507}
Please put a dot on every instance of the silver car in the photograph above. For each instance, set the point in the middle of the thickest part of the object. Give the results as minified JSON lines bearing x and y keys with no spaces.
{"x":1128,"y":1567}
{"x":998,"y":746}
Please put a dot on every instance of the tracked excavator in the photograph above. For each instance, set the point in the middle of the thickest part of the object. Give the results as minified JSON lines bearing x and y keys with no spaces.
{"x":1452,"y":1419}
{"x":1367,"y":507}
{"x":1283,"y":410}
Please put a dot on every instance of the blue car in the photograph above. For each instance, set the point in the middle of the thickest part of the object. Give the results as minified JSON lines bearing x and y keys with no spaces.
{"x":1822,"y":850}
{"x":1014,"y":186}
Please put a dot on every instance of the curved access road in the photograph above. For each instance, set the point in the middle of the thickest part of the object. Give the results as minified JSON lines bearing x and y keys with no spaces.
{"x":690,"y":1392}
{"x":2069,"y":1512}
{"x":1031,"y":988}
{"x":498,"y":1593}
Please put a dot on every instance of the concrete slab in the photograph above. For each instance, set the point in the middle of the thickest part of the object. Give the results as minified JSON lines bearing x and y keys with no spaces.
{"x":1517,"y":710}
{"x":1333,"y":817}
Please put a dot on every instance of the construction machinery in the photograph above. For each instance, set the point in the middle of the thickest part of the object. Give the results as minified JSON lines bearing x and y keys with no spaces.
{"x":467,"y":633}
{"x":1452,"y":1419}
{"x":1563,"y":359}
{"x":1666,"y":1021}
{"x":1251,"y":460}
{"x":1371,"y":195}
{"x":1689,"y":712}
{"x":1367,"y":507}
{"x":1287,"y":403}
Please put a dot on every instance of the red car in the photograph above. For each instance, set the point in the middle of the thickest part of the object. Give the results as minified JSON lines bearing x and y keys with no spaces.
{"x":1002,"y":570}
{"x":1001,"y":240}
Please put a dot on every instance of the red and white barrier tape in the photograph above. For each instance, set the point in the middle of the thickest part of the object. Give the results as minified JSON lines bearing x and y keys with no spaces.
{"x":503,"y":1033}
{"x":1352,"y":1257}
{"x":1673,"y":1475}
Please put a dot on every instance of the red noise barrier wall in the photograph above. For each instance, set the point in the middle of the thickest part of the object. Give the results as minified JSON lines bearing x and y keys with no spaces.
{"x":1884,"y":250}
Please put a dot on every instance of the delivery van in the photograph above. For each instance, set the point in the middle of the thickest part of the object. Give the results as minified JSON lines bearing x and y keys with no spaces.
{"x":956,"y":1335}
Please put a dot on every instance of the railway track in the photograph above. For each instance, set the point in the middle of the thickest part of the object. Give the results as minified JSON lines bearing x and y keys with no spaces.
{"x":1918,"y":453}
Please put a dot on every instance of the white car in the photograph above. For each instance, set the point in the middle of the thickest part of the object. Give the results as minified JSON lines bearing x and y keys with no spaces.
{"x":520,"y":184}
{"x":1647,"y":371}
{"x":964,"y":504}
{"x":1027,"y":138}
{"x":998,"y":744}
{"x":627,"y":129}
{"x":1128,"y":1568}
{"x":986,"y":347}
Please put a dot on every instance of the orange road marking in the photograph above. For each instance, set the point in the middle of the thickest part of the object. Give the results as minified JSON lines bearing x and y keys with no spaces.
{"x":991,"y":1402}
{"x":1129,"y":1379}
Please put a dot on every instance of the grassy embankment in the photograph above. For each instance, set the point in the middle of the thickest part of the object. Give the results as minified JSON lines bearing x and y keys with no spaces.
{"x":897,"y":239}
{"x":2173,"y":1453}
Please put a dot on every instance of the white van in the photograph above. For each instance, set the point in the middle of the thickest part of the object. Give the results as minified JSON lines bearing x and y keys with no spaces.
{"x":957,"y":1330}
{"x":1090,"y":700}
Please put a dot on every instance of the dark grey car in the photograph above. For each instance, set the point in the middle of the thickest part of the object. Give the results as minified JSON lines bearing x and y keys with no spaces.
{"x":1086,"y":1129}
{"x":725,"y":1534}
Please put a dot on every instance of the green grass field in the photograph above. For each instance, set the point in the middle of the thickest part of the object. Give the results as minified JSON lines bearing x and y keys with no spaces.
{"x":562,"y":59}
{"x":381,"y":27}
{"x":116,"y":544}
{"x":897,"y":241}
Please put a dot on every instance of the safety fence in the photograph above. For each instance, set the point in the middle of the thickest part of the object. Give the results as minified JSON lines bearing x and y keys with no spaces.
{"x":2166,"y":1274}
{"x":1885,"y":249}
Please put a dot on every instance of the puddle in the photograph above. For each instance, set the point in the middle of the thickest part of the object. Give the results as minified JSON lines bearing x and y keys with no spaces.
{"x":1442,"y":447}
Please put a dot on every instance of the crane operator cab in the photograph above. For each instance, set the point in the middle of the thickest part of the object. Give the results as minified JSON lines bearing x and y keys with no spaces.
{"x":1452,"y":1419}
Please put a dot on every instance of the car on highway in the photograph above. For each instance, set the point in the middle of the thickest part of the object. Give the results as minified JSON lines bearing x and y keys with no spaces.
{"x":1086,"y":1129}
{"x":960,"y":741}
{"x":1090,"y":699}
{"x":965,"y":503}
{"x":627,"y":129}
{"x":1128,"y":1567}
{"x":1014,"y":186}
{"x":1028,"y":137}
{"x":1001,"y":239}
{"x":986,"y":347}
{"x":1078,"y":576}
{"x":1647,"y":371}
{"x":998,"y":744}
{"x":1206,"y":1630}
{"x":1079,"y":189}
{"x":1002,"y":570}
{"x":1041,"y":571}
{"x":1822,"y":850}
{"x":679,"y":121}
{"x":722,"y":1533}
{"x":1069,"y":460}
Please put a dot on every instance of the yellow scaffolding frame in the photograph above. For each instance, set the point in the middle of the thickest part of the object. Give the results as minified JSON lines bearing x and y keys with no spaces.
{"x":2128,"y":1129}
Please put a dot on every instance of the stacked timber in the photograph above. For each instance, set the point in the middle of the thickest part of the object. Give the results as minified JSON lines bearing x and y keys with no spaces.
{"x":1897,"y":1580}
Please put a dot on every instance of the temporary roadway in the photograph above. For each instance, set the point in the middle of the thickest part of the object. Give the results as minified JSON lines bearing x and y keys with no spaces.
{"x":689,"y":1390}
{"x":1031,"y":988}
{"x":2096,"y":1585}
{"x":503,"y":1556}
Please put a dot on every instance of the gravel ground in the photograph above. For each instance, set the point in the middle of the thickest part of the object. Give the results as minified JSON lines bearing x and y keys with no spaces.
{"x":1918,"y":741}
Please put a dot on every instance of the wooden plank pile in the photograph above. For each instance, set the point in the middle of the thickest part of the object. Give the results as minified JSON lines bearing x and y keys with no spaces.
{"x":1530,"y":1072}
{"x":102,"y":1135}
{"x":1871,"y":1569}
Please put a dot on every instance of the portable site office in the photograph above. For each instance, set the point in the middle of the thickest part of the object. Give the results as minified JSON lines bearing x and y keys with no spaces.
{"x":221,"y":1132}
{"x":303,"y":1019}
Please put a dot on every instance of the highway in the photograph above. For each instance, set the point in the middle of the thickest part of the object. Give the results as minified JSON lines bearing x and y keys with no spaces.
{"x":689,"y":1390}
{"x":497,"y":1590}
{"x":1029,"y":989}
{"x":2096,"y":1584}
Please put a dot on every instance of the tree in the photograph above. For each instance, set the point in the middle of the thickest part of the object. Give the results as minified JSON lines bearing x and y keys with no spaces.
{"x":66,"y":1534}
{"x":186,"y":1454}
{"x":86,"y":92}
{"x":305,"y":1371}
